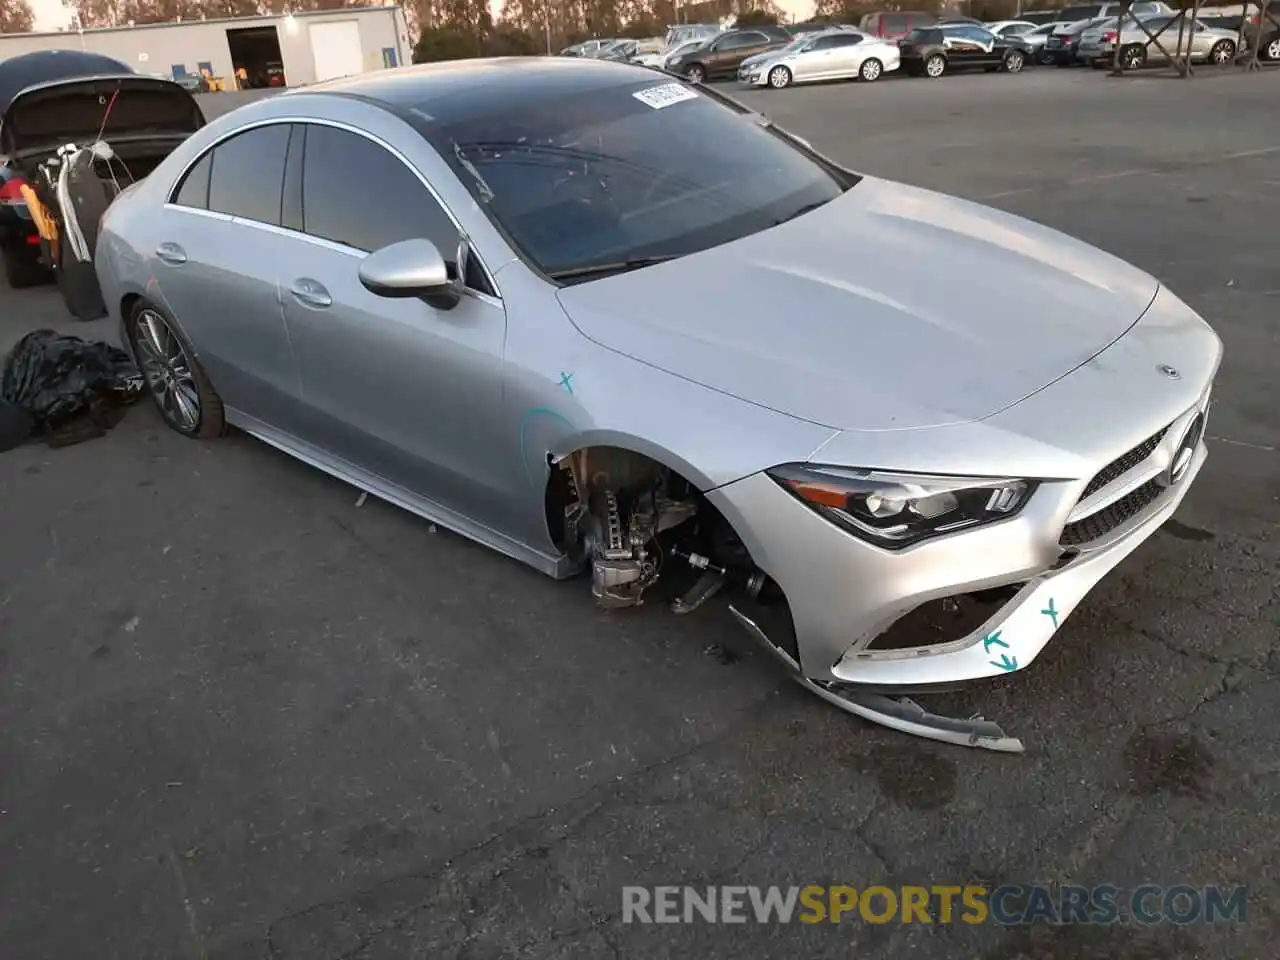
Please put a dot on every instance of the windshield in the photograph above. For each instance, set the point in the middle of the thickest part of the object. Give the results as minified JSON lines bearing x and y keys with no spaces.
{"x":630,"y":171}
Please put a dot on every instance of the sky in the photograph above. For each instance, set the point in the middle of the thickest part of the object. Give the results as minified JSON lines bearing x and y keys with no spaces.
{"x":51,"y":14}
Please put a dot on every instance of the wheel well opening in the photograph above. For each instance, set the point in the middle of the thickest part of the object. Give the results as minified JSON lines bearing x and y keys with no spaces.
{"x":634,"y":521}
{"x":127,"y":303}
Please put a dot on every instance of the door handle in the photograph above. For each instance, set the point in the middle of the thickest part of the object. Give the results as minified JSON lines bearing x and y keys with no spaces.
{"x":311,"y":292}
{"x":171,"y":253}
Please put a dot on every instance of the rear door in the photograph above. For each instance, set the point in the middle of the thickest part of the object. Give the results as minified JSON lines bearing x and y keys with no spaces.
{"x":397,"y":387}
{"x":214,"y":269}
{"x":732,"y":49}
{"x":840,"y":54}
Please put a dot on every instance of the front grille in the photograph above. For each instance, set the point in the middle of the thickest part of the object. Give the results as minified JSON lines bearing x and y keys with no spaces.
{"x":1099,"y":524}
{"x":1120,"y":466}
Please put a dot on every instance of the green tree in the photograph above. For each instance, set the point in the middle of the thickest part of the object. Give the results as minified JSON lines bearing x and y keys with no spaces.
{"x":16,"y":16}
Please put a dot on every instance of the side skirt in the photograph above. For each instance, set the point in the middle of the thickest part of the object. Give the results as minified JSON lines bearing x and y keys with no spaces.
{"x":559,"y":567}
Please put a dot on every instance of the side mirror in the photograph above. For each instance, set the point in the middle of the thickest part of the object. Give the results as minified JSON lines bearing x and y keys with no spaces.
{"x":410,"y":268}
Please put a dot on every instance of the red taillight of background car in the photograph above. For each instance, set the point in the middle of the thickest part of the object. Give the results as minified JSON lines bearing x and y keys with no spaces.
{"x":1109,"y":37}
{"x":11,"y":191}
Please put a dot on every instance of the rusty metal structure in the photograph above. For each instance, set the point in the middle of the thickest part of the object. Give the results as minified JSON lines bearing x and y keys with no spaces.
{"x":1247,"y":48}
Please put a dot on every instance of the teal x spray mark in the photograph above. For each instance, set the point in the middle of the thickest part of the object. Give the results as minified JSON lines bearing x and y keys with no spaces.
{"x":1005,"y":662}
{"x":1051,"y":613}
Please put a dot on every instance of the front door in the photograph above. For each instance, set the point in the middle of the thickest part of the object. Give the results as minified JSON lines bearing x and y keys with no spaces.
{"x":396,"y":387}
{"x":213,"y":269}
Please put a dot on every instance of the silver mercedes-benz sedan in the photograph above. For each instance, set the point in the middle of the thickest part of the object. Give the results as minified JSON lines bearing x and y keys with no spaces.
{"x":603,"y":320}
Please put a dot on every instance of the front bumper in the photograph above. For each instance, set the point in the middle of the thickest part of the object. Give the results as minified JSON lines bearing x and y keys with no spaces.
{"x":844,"y":593}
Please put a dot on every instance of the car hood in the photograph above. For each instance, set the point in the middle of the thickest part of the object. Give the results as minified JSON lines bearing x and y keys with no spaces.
{"x":889,"y":308}
{"x":43,"y":117}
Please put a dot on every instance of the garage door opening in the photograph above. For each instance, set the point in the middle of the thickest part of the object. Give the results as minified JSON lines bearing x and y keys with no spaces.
{"x":256,"y":58}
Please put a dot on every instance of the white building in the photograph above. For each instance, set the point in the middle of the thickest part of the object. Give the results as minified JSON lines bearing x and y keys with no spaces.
{"x":305,"y":47}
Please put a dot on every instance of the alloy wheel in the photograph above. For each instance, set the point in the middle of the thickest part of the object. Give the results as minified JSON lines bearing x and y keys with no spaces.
{"x":1272,"y":51}
{"x":1132,"y":58}
{"x":935,"y":65}
{"x":779,"y":77}
{"x":871,"y":70}
{"x":1014,"y":62}
{"x":167,"y":370}
{"x":1222,"y":51}
{"x":696,"y":74}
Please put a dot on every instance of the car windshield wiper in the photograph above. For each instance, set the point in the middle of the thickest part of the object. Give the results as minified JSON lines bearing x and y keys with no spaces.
{"x":605,"y":269}
{"x":807,"y":208}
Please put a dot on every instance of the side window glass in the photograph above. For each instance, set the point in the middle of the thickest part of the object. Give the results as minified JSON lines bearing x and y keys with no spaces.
{"x":356,"y":193}
{"x":248,"y":174}
{"x":194,"y":190}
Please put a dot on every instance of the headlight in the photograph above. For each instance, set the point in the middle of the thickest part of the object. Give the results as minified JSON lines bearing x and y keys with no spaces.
{"x":895,"y":510}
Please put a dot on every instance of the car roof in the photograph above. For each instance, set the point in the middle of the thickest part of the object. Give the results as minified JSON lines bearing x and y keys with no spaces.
{"x":447,"y":90}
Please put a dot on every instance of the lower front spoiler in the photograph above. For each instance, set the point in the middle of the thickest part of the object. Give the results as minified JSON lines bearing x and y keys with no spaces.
{"x":901,"y":714}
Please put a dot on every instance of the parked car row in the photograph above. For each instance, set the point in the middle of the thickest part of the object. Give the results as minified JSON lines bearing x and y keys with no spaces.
{"x":922,"y":44}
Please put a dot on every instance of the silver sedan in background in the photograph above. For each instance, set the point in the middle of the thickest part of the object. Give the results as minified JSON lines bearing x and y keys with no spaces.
{"x":1202,"y":43}
{"x":438,"y":283}
{"x":832,"y":55}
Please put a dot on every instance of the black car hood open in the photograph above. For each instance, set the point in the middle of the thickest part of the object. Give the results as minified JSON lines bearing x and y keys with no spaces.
{"x":40,"y":118}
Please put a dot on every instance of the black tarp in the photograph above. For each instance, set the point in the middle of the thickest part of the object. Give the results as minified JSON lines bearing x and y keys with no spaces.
{"x":71,"y":389}
{"x":43,"y":66}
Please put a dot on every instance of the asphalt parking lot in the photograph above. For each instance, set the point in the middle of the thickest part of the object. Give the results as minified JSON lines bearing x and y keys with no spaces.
{"x":243,"y":717}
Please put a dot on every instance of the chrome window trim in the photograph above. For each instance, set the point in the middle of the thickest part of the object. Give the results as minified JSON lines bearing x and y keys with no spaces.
{"x":329,"y":244}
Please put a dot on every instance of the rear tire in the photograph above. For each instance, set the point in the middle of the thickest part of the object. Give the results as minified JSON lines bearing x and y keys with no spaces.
{"x":1272,"y":50}
{"x":22,"y":270}
{"x":176,"y":382}
{"x":871,"y":70}
{"x":695,"y":73}
{"x":935,"y":66}
{"x":1014,"y":61}
{"x":1133,"y":56}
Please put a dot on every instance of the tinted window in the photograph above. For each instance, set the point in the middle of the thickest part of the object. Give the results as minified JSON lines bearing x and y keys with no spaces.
{"x":1153,"y":24}
{"x":924,"y":36}
{"x":844,"y":40}
{"x":895,"y":23}
{"x":1015,"y":29}
{"x":248,"y":172}
{"x":1071,"y":14}
{"x":194,"y":191}
{"x":648,"y":168}
{"x":737,"y":40}
{"x":970,"y":33}
{"x":356,"y":193}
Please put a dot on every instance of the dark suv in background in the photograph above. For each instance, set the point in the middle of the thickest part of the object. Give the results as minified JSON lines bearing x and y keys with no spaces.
{"x":894,"y":25}
{"x":721,"y":56}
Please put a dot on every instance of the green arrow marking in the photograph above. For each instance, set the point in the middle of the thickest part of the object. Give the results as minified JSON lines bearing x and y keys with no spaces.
{"x":1005,"y":662}
{"x":993,"y":638}
{"x":1051,"y":613}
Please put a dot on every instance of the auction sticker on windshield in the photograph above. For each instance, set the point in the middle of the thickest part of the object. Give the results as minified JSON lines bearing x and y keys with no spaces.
{"x":665,"y":95}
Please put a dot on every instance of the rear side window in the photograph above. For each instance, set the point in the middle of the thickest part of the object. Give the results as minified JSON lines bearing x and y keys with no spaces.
{"x":248,"y":174}
{"x":194,"y":189}
{"x":894,"y":23}
{"x":357,"y":193}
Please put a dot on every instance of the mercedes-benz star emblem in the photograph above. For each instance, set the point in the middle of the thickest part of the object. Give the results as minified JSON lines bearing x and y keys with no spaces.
{"x":1170,"y":372}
